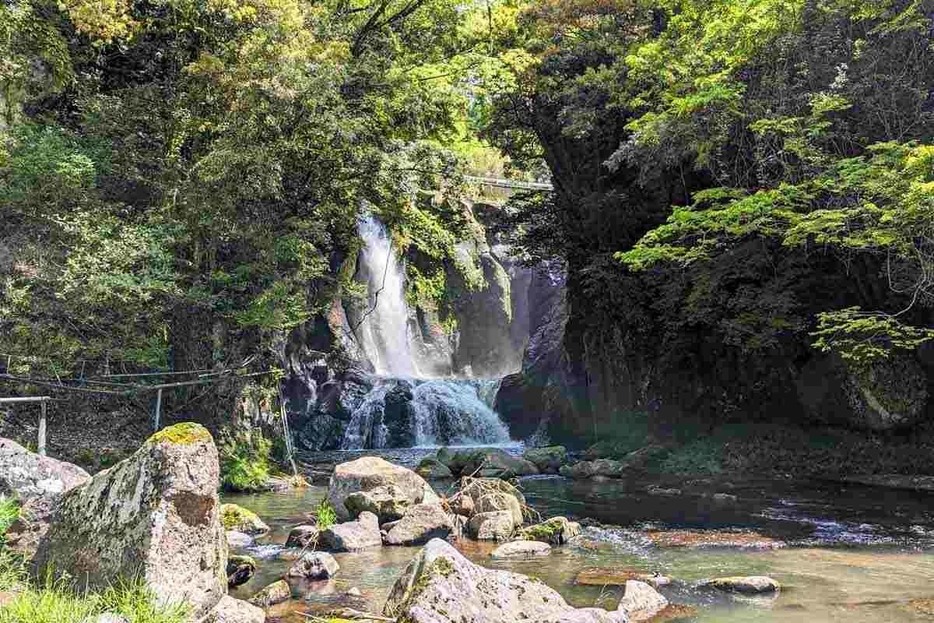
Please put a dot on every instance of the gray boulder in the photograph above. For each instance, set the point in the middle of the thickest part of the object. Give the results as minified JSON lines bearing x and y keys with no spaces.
{"x":521,"y":549}
{"x":314,"y":566}
{"x":493,"y":526}
{"x":548,"y":460}
{"x":442,"y":586}
{"x":37,"y":483}
{"x":431,"y":467}
{"x":421,"y":523}
{"x":369,"y":473}
{"x":555,"y":531}
{"x":239,"y":539}
{"x":493,"y":463}
{"x":499,"y":501}
{"x":387,"y":502}
{"x":302,"y":536}
{"x":239,"y":519}
{"x":352,"y":536}
{"x":750,"y":585}
{"x":240,"y":569}
{"x":641,"y":602}
{"x":154,"y":516}
{"x":272,"y":594}
{"x":230,"y":610}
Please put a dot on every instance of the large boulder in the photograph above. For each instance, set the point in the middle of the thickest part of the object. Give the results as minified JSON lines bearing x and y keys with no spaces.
{"x":421,"y":523}
{"x":641,"y":602}
{"x":492,"y":526}
{"x":521,"y":549}
{"x":352,"y":536}
{"x":749,"y":585}
{"x":37,"y":483}
{"x":548,"y":460}
{"x":303,"y":536}
{"x":240,"y":569}
{"x":272,"y":594}
{"x":314,"y":566}
{"x":492,"y":463}
{"x":369,"y":473}
{"x":555,"y":531}
{"x":442,"y":586}
{"x":473,"y":489}
{"x":387,"y":502}
{"x":238,"y":519}
{"x":499,"y":501}
{"x":431,"y":467}
{"x":154,"y":516}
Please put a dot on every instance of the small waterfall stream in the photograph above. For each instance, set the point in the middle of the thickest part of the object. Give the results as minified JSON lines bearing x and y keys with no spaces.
{"x":404,"y":407}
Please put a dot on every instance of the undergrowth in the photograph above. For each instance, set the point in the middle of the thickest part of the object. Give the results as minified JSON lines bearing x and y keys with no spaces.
{"x":245,"y":462}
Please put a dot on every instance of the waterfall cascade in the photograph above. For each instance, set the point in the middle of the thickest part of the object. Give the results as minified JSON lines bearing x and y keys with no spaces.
{"x":403,"y":406}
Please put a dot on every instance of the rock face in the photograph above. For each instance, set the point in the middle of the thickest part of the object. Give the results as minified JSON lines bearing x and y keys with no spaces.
{"x":421,"y":523}
{"x":499,"y":501}
{"x":387,"y":502}
{"x":314,"y":566}
{"x":641,"y":602}
{"x":37,"y":483}
{"x":521,"y":549}
{"x":154,"y":516}
{"x":554,"y":531}
{"x":369,"y":473}
{"x":352,"y":536}
{"x":883,"y":395}
{"x":230,"y":610}
{"x":442,"y":586}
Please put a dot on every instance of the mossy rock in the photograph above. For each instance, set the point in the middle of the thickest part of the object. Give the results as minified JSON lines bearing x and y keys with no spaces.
{"x":555,"y":531}
{"x":185,"y":433}
{"x":240,"y":519}
{"x":548,"y":460}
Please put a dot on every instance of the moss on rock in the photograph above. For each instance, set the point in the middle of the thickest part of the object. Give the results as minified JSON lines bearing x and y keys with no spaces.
{"x":186,"y":433}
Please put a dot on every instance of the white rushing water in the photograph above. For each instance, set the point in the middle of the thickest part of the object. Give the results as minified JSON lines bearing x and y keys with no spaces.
{"x":384,"y":332}
{"x":402,"y":404}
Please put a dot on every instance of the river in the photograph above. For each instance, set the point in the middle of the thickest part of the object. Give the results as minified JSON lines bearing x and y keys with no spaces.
{"x":859,"y":553}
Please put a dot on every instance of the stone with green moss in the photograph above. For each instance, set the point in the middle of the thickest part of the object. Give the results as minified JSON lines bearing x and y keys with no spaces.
{"x":240,"y":519}
{"x":186,"y":433}
{"x":555,"y":531}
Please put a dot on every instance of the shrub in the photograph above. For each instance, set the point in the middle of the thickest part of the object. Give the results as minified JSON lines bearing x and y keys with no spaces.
{"x":245,"y":464}
{"x":325,"y":515}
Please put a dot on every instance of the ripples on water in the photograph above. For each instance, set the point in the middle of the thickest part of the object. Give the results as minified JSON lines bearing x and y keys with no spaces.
{"x":857,"y":554}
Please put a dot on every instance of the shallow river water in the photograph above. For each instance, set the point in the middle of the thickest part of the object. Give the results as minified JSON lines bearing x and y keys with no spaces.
{"x":842,"y":553}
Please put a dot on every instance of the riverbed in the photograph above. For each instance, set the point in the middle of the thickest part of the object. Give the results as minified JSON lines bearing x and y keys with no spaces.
{"x":860,"y":553}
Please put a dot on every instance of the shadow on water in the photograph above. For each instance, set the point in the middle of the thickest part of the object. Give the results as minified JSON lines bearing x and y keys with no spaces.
{"x":853,"y":553}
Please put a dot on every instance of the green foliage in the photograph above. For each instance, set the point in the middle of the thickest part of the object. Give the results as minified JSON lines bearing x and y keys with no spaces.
{"x":703,"y":455}
{"x":9,"y":513}
{"x":245,"y":462}
{"x":56,"y":604}
{"x":325,"y":515}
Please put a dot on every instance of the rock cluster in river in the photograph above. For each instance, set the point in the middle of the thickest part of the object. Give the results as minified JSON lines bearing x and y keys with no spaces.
{"x":375,"y":485}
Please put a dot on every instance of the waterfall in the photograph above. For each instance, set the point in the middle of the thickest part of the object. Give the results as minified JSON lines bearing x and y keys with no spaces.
{"x":384,"y":330}
{"x":400,"y":406}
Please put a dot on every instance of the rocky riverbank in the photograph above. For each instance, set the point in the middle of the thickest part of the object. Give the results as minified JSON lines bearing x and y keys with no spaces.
{"x":383,"y":543}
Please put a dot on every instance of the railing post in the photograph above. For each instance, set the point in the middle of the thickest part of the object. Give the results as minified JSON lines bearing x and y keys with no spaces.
{"x":43,"y":424}
{"x":155,"y":420}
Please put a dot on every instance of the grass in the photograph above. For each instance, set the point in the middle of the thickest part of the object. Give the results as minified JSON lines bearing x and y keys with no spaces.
{"x":56,"y":604}
{"x":9,"y":512}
